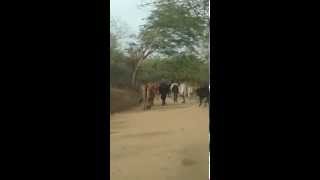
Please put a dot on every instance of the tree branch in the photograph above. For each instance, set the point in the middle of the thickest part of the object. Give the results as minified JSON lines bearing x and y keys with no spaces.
{"x":147,"y":54}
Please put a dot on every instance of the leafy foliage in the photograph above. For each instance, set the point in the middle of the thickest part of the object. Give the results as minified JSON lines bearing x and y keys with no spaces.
{"x":187,"y":68}
{"x":177,"y":31}
{"x":177,"y":26}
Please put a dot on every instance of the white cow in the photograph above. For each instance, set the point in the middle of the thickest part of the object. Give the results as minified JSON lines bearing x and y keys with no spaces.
{"x":190,"y":91}
{"x":183,"y":91}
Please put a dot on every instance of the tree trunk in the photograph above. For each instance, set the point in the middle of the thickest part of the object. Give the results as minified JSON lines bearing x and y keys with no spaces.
{"x":133,"y":76}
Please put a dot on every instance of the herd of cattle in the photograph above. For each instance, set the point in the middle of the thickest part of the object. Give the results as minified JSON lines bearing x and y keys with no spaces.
{"x":165,"y":89}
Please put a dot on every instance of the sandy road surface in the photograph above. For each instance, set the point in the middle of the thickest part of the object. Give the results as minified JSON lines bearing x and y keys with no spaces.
{"x":165,"y":143}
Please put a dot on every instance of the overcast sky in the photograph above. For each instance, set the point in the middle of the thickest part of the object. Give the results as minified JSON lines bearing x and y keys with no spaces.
{"x":127,"y":11}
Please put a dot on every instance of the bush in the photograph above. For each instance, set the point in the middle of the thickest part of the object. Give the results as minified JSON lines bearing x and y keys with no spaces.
{"x":120,"y":75}
{"x":122,"y":99}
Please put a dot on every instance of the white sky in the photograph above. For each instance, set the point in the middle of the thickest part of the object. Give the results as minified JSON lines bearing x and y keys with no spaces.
{"x":127,"y":11}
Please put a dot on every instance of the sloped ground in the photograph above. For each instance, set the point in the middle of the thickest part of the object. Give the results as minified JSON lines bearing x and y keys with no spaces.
{"x":122,"y":99}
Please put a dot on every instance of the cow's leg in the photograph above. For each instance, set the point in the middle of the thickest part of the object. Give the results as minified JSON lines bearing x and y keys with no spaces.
{"x":145,"y":103}
{"x":200,"y":100}
{"x":149,"y":102}
{"x":206,"y":102}
{"x":183,"y":99}
{"x":162,"y":99}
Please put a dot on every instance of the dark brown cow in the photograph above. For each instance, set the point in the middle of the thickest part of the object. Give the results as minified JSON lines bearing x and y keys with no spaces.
{"x":164,"y":88}
{"x":203,"y":93}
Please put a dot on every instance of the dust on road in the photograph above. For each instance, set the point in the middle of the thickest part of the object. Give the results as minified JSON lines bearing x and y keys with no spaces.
{"x":164,"y":143}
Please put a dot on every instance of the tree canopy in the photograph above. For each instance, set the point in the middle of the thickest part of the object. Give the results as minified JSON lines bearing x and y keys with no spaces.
{"x":177,"y":32}
{"x":176,"y":27}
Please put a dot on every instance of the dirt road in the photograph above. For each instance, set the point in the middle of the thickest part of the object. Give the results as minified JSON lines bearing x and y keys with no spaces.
{"x":164,"y":143}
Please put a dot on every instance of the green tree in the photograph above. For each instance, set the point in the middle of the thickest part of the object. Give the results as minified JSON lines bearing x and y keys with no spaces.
{"x":181,"y":26}
{"x":181,"y":67}
{"x":173,"y":28}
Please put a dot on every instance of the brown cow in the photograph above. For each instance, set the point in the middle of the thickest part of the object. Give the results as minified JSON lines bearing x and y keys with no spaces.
{"x":152,"y":90}
{"x":148,"y":93}
{"x":144,"y":89}
{"x":157,"y":92}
